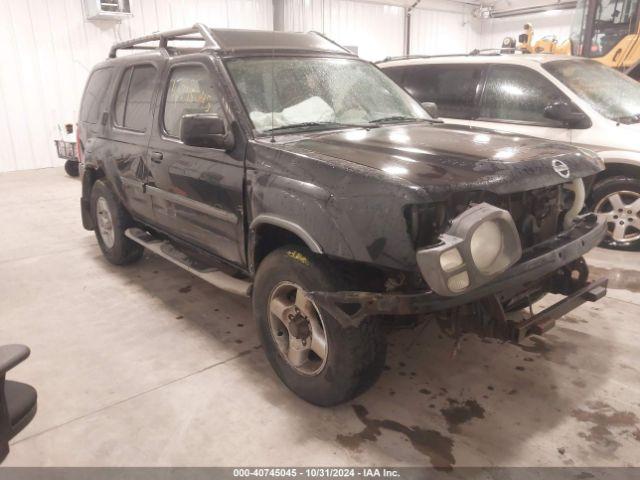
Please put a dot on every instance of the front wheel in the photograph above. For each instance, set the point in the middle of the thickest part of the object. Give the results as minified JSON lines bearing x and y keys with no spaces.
{"x":315,"y":356}
{"x":617,"y":201}
{"x":111,"y":220}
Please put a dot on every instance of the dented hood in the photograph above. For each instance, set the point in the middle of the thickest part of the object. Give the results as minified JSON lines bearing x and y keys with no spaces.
{"x":448,"y":157}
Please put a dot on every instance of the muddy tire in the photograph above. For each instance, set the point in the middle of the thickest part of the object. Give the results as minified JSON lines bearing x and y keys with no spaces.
{"x":617,"y":199}
{"x":111,"y":220}
{"x":72,"y":168}
{"x":316,"y":357}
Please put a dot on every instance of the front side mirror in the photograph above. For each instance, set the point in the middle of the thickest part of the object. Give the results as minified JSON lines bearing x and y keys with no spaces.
{"x":431,"y":108}
{"x":568,"y":114}
{"x":205,"y":130}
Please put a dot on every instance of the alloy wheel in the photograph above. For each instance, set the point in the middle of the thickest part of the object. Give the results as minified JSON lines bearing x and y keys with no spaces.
{"x":621,"y":212}
{"x":297,"y":329}
{"x":105,"y":222}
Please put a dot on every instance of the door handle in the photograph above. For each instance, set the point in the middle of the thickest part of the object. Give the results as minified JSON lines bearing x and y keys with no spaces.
{"x":156,"y":157}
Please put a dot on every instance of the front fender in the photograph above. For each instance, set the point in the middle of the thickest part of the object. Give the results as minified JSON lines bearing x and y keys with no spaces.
{"x":345,"y":211}
{"x":299,"y":207}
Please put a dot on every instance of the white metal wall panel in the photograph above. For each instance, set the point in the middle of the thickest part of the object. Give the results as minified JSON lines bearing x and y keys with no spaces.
{"x":49,"y":49}
{"x":303,"y":15}
{"x":449,"y":28}
{"x":377,"y":30}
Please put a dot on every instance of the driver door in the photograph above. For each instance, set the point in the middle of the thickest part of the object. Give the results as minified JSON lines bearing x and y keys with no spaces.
{"x":196,"y":192}
{"x":513,"y":100}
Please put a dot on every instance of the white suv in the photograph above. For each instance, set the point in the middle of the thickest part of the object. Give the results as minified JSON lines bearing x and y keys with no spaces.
{"x":569,"y":99}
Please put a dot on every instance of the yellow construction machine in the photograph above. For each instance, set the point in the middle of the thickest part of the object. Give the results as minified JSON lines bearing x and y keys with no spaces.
{"x":605,"y":30}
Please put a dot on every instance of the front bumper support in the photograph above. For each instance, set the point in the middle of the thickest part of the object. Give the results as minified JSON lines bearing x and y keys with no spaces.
{"x":546,"y":319}
{"x":350,"y":308}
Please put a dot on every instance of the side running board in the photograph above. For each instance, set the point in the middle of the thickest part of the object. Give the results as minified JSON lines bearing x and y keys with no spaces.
{"x":166,"y":250}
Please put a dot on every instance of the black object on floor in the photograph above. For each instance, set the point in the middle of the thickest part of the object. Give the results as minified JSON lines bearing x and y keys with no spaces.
{"x":18,"y":401}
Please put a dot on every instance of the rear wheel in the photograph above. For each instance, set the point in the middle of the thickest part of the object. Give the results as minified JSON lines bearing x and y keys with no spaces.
{"x":313,"y":354}
{"x":72,"y":168}
{"x":617,"y":201}
{"x":111,"y":220}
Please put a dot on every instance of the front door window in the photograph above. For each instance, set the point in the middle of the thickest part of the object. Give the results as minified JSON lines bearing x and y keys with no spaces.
{"x":190,"y":91}
{"x":518,"y":94}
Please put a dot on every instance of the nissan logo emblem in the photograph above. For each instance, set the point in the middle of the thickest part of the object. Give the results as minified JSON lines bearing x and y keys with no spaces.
{"x":561,"y":168}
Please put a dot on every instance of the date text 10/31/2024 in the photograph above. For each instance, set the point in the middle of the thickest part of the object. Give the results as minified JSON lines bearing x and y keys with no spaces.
{"x":311,"y":472}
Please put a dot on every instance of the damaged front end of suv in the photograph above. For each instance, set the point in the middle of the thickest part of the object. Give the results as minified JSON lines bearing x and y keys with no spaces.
{"x":486,"y":248}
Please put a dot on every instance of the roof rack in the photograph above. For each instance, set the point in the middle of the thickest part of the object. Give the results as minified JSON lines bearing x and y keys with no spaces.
{"x":491,"y":51}
{"x":484,"y":51}
{"x":201,"y":31}
{"x":409,"y":57}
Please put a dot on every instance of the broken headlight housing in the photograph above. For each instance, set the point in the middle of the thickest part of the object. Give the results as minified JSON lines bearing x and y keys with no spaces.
{"x":481,"y":243}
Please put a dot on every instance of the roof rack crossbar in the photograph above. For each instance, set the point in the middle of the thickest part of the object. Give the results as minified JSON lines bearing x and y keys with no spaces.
{"x":472,"y":53}
{"x":411,"y":57}
{"x":164,"y":37}
{"x":490,"y":51}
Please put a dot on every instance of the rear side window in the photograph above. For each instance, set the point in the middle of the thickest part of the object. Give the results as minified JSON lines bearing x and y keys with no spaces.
{"x":190,"y":90}
{"x":94,"y":95}
{"x":518,"y":94}
{"x":452,"y":87}
{"x":133,"y":100}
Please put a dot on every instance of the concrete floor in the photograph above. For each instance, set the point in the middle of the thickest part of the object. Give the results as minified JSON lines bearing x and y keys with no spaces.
{"x":148,"y":366}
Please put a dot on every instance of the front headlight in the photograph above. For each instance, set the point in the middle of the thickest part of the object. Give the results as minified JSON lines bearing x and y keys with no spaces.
{"x":488,"y":248}
{"x":481,"y":243}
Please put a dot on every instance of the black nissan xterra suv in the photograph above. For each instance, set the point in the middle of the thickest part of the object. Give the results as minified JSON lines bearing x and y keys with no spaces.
{"x":281,"y":166}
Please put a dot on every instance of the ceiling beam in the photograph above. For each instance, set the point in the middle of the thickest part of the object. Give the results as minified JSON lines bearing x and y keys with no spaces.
{"x":516,"y":12}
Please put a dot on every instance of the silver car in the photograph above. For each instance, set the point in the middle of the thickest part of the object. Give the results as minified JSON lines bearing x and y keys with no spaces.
{"x":555,"y":97}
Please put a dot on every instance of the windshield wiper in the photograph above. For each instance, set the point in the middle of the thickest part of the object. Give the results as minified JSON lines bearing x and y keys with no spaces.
{"x":404,"y":118}
{"x":319,"y":124}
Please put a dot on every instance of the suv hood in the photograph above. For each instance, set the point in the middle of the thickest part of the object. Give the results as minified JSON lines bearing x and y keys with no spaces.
{"x":445,"y":157}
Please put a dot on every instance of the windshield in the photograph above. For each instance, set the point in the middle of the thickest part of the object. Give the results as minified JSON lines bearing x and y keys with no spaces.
{"x":315,"y":93}
{"x":608,"y":91}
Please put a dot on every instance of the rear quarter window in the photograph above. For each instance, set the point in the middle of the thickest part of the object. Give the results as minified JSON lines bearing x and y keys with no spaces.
{"x":95,"y":93}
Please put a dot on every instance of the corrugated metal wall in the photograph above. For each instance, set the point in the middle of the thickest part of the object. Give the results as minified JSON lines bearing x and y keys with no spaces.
{"x":48,"y":49}
{"x":378,"y":30}
{"x":445,"y":27}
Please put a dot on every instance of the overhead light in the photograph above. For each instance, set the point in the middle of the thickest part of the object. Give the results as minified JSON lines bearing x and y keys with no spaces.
{"x":482,"y":12}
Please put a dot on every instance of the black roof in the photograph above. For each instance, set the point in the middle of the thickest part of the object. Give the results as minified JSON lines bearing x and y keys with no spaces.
{"x":225,"y":40}
{"x":231,"y":40}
